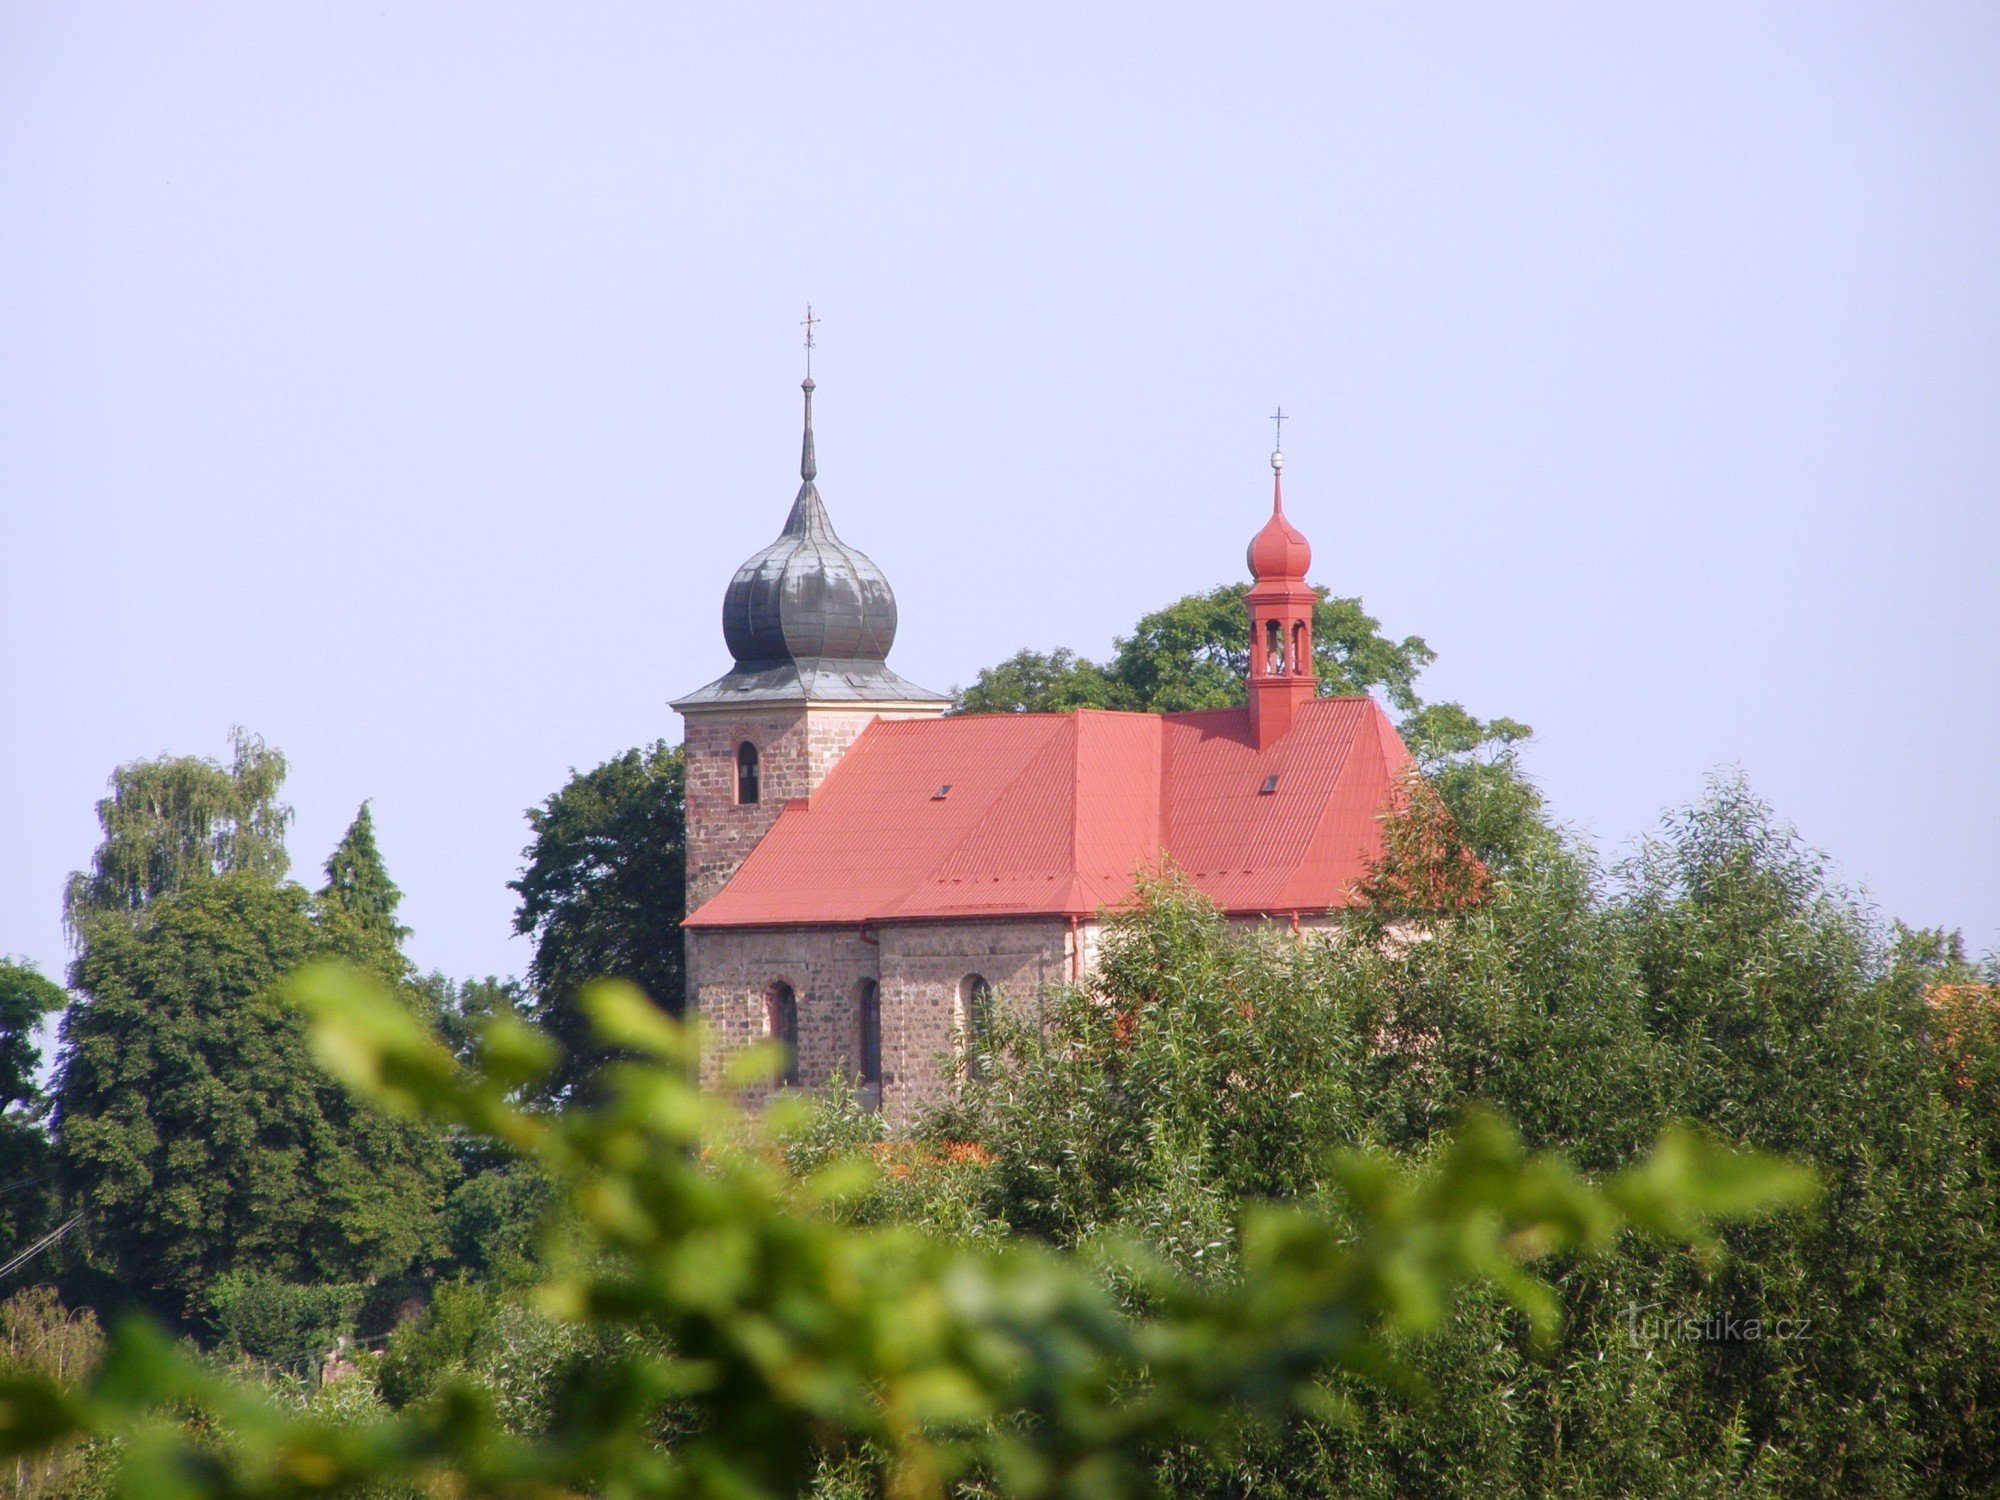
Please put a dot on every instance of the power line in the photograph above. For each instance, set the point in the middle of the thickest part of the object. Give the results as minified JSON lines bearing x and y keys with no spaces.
{"x":40,"y":1245}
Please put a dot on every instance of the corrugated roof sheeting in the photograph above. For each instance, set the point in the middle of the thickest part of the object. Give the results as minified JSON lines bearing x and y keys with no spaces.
{"x":1056,"y":813}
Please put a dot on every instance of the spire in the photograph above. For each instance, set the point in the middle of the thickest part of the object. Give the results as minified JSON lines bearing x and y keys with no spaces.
{"x":1277,"y":461}
{"x":1280,"y":550}
{"x":808,"y":464}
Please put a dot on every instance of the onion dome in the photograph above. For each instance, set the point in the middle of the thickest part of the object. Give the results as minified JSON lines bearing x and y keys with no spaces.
{"x":809,"y":618}
{"x":808,"y":595}
{"x":1280,"y":550}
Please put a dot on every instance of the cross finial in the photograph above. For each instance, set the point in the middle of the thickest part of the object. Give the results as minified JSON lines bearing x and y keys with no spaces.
{"x":1278,"y":422}
{"x":807,"y":323}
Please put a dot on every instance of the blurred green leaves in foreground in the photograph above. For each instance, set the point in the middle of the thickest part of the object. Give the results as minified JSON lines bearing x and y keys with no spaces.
{"x":754,"y":1335}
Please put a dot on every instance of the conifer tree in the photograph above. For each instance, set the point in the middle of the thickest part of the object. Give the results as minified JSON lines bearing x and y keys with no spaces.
{"x":357,"y":905}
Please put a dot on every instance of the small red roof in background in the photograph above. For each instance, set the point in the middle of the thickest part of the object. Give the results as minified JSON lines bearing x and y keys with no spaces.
{"x":1055,"y":814}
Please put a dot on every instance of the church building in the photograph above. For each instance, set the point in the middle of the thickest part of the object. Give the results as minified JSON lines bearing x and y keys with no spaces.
{"x":872,"y":879}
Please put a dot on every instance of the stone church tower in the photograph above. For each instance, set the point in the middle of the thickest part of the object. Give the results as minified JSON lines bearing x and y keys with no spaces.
{"x":809,"y":621}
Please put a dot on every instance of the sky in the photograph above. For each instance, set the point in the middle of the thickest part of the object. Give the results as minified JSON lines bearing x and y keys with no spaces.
{"x":404,"y":383}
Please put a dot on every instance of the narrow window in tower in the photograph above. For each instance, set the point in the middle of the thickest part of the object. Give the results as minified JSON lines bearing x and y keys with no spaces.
{"x":746,"y":772}
{"x":1299,"y":647}
{"x":1274,"y":648}
{"x":781,"y":1024}
{"x":868,"y":1033}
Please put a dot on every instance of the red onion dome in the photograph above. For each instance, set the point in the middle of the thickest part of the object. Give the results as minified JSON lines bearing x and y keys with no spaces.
{"x":1280,"y":550}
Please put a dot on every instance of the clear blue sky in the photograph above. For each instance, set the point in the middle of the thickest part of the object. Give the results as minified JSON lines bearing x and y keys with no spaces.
{"x":404,"y":383}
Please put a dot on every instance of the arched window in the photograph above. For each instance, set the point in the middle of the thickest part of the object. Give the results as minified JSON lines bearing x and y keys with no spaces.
{"x":868,"y":1033}
{"x":746,"y":772}
{"x":781,"y":1024}
{"x":975,"y":1023}
{"x":1299,"y":647}
{"x":1274,"y":647}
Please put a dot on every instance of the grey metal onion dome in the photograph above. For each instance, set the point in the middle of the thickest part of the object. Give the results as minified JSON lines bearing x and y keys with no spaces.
{"x":809,"y":617}
{"x":808,"y":594}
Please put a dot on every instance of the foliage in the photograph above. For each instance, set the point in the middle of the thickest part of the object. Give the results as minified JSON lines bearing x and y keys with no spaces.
{"x":173,"y":821}
{"x":777,"y":1336}
{"x":604,"y":891}
{"x":1195,"y":654}
{"x":192,"y":1126}
{"x":39,"y":1337}
{"x":493,"y":1221}
{"x":1475,"y":767}
{"x":1051,"y":682}
{"x":460,"y":1009}
{"x":357,"y":905}
{"x":1425,"y":867}
{"x":278,"y":1322}
{"x":25,"y":998}
{"x":1719,"y":976}
{"x":454,"y":1331}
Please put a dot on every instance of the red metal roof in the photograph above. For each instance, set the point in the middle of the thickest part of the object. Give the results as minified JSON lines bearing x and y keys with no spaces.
{"x":1055,"y":814}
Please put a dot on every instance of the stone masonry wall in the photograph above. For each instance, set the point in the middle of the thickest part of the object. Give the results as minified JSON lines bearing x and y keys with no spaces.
{"x":731,"y":970}
{"x":922,"y":965}
{"x":918,"y":966}
{"x":720,"y":831}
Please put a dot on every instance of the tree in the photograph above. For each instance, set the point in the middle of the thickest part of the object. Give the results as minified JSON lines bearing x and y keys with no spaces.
{"x":41,"y":1337}
{"x":178,"y":819}
{"x":1720,"y":976}
{"x":604,"y":891}
{"x":1036,"y":682}
{"x":1425,"y":867}
{"x":357,"y":905}
{"x":196,"y":1133}
{"x":25,"y":998}
{"x":191,"y":1128}
{"x":780,"y":1341}
{"x":1195,"y":654}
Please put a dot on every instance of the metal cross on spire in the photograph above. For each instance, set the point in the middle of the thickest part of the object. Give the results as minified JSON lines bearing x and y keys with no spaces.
{"x":807,"y":323}
{"x":1278,"y":422}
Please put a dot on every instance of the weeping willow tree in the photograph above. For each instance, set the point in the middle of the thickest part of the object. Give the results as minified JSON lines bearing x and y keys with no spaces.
{"x":182,"y":818}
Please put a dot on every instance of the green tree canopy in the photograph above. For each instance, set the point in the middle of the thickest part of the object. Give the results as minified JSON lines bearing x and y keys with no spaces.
{"x":746,"y":1321}
{"x":1721,"y":975}
{"x":1194,"y":654}
{"x":178,"y":819}
{"x":357,"y":905}
{"x":26,"y":996}
{"x":193,"y":1129}
{"x":604,"y":891}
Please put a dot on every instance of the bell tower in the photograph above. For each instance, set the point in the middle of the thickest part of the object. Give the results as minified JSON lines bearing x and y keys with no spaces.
{"x":1281,"y":603}
{"x":809,"y":621}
